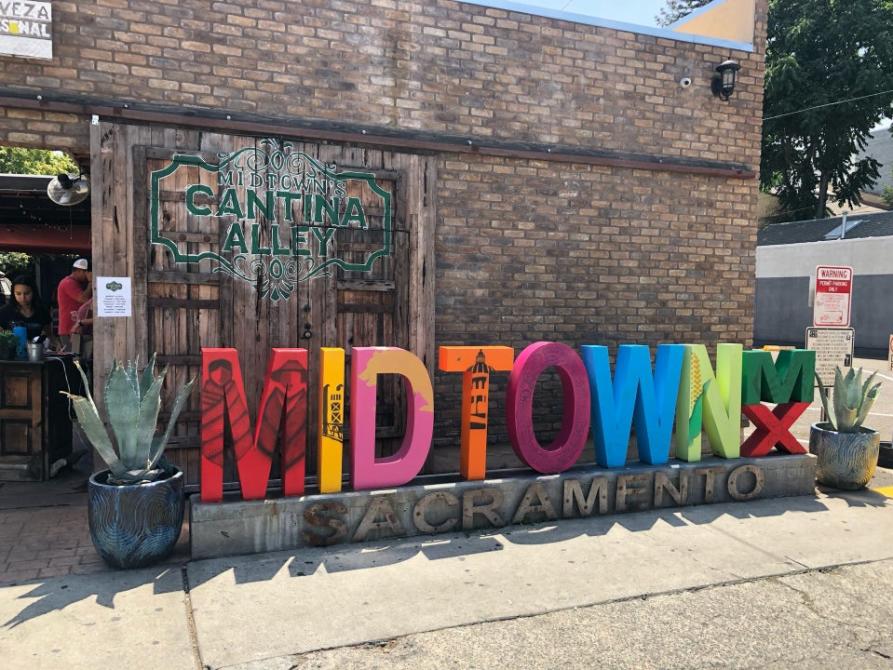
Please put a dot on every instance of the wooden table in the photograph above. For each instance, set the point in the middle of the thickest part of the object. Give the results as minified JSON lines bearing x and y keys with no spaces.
{"x":35,"y":425}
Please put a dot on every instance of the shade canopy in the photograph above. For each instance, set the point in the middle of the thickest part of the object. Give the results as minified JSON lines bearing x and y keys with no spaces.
{"x":31,"y":222}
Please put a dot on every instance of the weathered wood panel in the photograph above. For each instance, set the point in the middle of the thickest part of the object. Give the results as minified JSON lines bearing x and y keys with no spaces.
{"x":30,"y":392}
{"x":181,"y":307}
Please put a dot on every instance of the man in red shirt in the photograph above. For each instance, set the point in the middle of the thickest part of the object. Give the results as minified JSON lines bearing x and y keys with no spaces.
{"x":73,"y":291}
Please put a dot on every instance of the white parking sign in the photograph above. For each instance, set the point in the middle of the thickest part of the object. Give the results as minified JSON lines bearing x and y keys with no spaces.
{"x":834,"y":348}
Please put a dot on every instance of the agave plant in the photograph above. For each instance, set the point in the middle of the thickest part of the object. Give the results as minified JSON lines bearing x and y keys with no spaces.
{"x":852,"y":400}
{"x":132,"y":402}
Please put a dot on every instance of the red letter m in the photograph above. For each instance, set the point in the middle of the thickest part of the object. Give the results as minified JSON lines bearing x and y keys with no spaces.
{"x":282,"y":411}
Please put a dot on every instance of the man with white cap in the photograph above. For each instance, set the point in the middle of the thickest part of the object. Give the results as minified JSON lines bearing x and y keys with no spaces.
{"x":73,"y":291}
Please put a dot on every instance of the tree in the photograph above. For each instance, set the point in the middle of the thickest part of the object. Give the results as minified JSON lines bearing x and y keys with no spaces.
{"x":15,"y":160}
{"x":678,"y":9}
{"x":822,"y":52}
{"x":14,"y":263}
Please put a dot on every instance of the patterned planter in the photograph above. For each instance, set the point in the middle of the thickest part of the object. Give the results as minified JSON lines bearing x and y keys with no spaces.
{"x":845,"y":461}
{"x":135,"y":526}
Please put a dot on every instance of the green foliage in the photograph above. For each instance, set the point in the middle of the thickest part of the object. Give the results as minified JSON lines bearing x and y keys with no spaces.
{"x":14,"y":263}
{"x":821,"y":52}
{"x":15,"y":160}
{"x":132,"y":402}
{"x":852,"y":400}
{"x":887,"y":195}
{"x":678,"y":9}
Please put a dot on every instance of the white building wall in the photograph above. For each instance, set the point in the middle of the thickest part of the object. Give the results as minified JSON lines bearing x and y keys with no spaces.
{"x":867,"y":256}
{"x":785,"y":283}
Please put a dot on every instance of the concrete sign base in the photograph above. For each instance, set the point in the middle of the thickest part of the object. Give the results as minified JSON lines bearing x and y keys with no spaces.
{"x":245,"y":527}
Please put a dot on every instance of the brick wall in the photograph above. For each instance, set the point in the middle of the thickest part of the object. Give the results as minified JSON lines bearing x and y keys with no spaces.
{"x":434,"y":65}
{"x":587,"y":255}
{"x":44,"y":130}
{"x":525,"y":250}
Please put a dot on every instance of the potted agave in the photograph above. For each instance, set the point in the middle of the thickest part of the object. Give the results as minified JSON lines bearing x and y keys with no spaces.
{"x":847,"y":452}
{"x":136,"y":505}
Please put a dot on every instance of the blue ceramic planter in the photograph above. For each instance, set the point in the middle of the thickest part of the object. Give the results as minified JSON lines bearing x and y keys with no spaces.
{"x":135,"y":526}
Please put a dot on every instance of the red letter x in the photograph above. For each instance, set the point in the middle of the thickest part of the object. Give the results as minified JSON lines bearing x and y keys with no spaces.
{"x":772,"y":428}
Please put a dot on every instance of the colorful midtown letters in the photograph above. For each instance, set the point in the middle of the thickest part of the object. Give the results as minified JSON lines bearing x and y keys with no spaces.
{"x":330,"y":427}
{"x":567,"y":447}
{"x":476,"y":365}
{"x":682,"y":387}
{"x":709,"y":400}
{"x":788,"y":383}
{"x":282,"y":411}
{"x":635,"y":392}
{"x":369,"y":472}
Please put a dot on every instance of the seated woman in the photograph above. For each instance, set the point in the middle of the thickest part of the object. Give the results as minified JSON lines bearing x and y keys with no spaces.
{"x":25,"y":309}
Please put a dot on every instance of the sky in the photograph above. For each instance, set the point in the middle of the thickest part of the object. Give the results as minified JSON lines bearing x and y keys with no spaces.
{"x":641,"y":12}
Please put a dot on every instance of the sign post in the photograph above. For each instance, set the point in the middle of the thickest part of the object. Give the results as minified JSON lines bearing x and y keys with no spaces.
{"x":833,"y":296}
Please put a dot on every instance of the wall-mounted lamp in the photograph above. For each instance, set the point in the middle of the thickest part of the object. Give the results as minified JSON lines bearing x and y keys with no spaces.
{"x":723,"y":82}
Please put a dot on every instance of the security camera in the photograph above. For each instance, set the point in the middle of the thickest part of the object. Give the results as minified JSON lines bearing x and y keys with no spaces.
{"x":685,"y":82}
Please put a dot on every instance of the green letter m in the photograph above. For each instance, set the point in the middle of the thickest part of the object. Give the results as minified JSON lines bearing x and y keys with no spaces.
{"x":789,"y":379}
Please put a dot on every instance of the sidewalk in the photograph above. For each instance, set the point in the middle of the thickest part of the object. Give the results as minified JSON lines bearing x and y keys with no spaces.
{"x":45,"y":532}
{"x":834,"y":619}
{"x":680,"y":580}
{"x":44,"y":529}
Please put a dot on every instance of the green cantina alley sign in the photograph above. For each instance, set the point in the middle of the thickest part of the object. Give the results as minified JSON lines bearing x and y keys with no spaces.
{"x":283,"y":217}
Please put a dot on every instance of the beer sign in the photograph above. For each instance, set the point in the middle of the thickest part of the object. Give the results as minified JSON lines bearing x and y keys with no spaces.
{"x":26,"y":29}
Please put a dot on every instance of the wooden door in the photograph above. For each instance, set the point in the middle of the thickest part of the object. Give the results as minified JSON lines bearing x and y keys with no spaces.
{"x":368,"y":283}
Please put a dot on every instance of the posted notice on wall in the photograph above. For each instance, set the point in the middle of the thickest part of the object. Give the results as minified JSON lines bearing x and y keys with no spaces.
{"x":26,"y":29}
{"x":114,"y":297}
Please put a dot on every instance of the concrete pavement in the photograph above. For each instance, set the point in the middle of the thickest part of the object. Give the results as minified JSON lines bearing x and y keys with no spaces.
{"x":738,"y":585}
{"x":837,"y":618}
{"x":135,"y":620}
